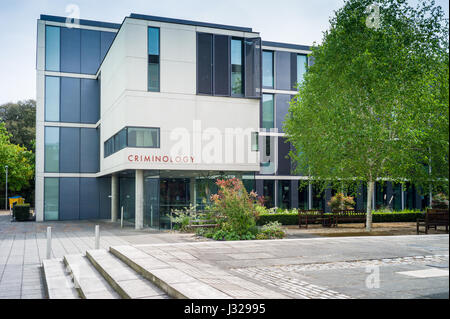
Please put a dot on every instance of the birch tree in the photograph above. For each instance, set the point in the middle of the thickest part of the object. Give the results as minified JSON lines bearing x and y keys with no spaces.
{"x":374,"y":105}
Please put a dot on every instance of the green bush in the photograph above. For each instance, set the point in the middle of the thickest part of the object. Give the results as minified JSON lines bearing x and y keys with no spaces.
{"x":272,"y":230}
{"x":282,"y":218}
{"x":378,"y":217}
{"x":21,"y":212}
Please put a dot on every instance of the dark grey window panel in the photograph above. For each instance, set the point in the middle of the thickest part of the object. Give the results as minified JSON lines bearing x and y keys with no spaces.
{"x":89,"y":194}
{"x":104,"y":188}
{"x":70,"y":50}
{"x":294,"y":71}
{"x":90,"y":101}
{"x":70,"y":100}
{"x":222,"y":65}
{"x":90,"y":51}
{"x":69,"y":155}
{"x":89,"y":151}
{"x":204,"y":63}
{"x":106,"y":39}
{"x":284,"y":164}
{"x":283,"y":70}
{"x":282,"y":108}
{"x":252,"y":67}
{"x":69,"y":198}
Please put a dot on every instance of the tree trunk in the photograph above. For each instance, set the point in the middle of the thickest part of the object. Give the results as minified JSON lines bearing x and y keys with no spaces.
{"x":370,"y":190}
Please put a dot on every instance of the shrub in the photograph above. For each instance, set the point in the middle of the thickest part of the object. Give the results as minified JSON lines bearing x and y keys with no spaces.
{"x":440,"y":201}
{"x":21,"y":212}
{"x":273,"y":230}
{"x":234,"y":210}
{"x":341,"y":202}
{"x":181,"y":218}
{"x":378,"y":217}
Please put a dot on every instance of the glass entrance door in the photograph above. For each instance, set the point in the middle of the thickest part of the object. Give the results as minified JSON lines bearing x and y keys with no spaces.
{"x":151,"y":202}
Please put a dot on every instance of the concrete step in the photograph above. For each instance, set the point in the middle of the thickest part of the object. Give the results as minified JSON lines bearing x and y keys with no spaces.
{"x":87,"y":280}
{"x":125,"y":281}
{"x":58,"y":282}
{"x":174,"y":282}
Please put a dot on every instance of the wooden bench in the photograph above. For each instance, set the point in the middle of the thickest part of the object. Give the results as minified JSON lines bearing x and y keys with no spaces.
{"x":349,"y":216}
{"x":313,"y":216}
{"x":433,"y":219}
{"x":202,"y":223}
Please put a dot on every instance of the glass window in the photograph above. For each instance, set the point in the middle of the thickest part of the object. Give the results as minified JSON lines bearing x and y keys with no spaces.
{"x":268,"y":193}
{"x":268,"y":69}
{"x":120,"y":140}
{"x":52,"y":92}
{"x":317,"y":198}
{"x":51,"y":141}
{"x":52,"y":48}
{"x":284,"y":194}
{"x":267,"y":111}
{"x":237,"y":85}
{"x":109,"y":147}
{"x":51,"y":199}
{"x":302,"y":62}
{"x":255,"y":141}
{"x":143,"y":137}
{"x":303,"y":197}
{"x":153,"y":59}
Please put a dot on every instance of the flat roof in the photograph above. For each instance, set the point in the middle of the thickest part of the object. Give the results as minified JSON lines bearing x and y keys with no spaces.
{"x":286,"y":45}
{"x":91,"y":23}
{"x":189,"y":22}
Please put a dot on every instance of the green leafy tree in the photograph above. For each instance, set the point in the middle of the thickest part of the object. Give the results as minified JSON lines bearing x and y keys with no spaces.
{"x":20,"y":163}
{"x":20,"y":121}
{"x":374,"y":105}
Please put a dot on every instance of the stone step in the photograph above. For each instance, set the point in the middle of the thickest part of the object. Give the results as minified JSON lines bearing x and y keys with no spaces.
{"x":174,"y":282}
{"x":58,"y":282}
{"x":125,"y":281}
{"x":87,"y":280}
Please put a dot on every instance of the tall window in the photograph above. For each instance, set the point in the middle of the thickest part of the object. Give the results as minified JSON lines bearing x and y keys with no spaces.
{"x":51,"y":198}
{"x":267,"y":111}
{"x":302,"y":63}
{"x":52,"y":48}
{"x":268,"y":69}
{"x":51,"y":153}
{"x":284,"y":194}
{"x":52,"y":98}
{"x":153,"y":59}
{"x":237,"y":80}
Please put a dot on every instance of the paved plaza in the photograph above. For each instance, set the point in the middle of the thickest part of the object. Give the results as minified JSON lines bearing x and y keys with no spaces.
{"x":305,"y":268}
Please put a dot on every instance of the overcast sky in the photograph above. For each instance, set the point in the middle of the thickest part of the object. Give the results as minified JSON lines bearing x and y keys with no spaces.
{"x":291,"y":21}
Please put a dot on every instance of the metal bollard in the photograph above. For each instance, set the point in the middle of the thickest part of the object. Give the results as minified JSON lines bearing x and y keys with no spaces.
{"x":121,"y":217}
{"x":97,"y":237}
{"x":49,"y":242}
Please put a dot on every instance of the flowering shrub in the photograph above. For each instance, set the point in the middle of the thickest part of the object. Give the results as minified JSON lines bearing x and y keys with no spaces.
{"x":235,"y":210}
{"x":440,"y":201}
{"x":341,"y":202}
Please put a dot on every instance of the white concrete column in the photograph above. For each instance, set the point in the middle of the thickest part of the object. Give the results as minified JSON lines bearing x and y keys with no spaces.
{"x":114,"y":198}
{"x":193,"y":191}
{"x":139,"y":215}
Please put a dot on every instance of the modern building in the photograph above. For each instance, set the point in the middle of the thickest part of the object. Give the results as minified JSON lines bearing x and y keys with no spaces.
{"x":142,"y":117}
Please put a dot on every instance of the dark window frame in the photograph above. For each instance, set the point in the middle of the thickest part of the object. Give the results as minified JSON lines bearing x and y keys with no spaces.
{"x":273,"y":70}
{"x":112,"y":140}
{"x":241,"y":95}
{"x":159,"y":60}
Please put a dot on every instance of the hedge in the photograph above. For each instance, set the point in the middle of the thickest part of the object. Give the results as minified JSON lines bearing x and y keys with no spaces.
{"x":377,"y":217}
{"x":21,"y":212}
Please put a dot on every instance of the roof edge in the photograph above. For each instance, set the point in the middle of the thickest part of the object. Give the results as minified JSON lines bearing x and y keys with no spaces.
{"x":190,"y":22}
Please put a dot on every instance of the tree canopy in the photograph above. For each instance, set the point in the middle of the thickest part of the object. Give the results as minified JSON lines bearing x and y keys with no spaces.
{"x":20,"y":121}
{"x":20,"y":162}
{"x":374,"y":105}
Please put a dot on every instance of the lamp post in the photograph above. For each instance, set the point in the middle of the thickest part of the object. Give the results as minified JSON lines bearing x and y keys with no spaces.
{"x":6,"y":190}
